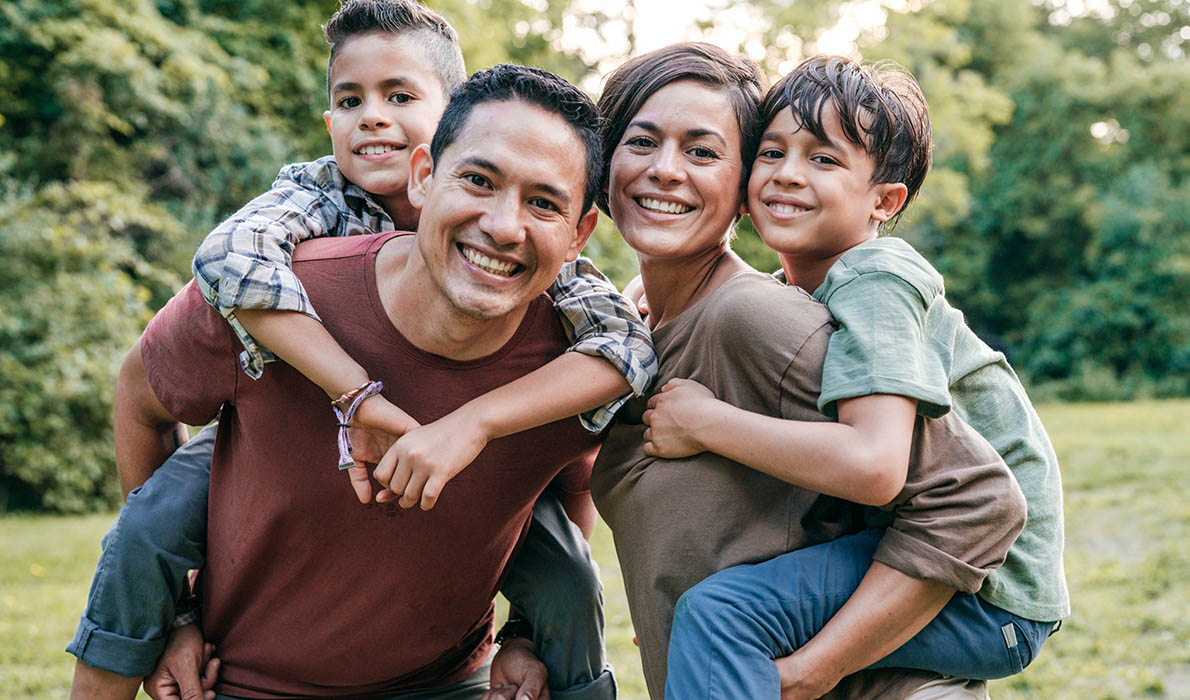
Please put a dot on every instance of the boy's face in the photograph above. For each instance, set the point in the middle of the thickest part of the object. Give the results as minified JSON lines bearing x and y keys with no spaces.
{"x":502,"y":208}
{"x":812,"y":200}
{"x":385,"y":102}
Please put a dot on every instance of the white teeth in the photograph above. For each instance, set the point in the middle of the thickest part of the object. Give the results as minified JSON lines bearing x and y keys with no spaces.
{"x":663,"y":207}
{"x":496,"y":267}
{"x":376,"y":150}
{"x":782,"y":208}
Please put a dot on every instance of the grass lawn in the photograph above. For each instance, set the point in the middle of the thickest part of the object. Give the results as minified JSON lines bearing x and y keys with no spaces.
{"x":1127,"y":561}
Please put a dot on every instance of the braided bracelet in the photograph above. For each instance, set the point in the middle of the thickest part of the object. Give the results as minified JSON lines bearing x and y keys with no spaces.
{"x":351,"y":400}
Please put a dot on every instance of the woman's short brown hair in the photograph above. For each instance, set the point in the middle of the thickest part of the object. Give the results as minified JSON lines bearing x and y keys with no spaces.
{"x":632,"y":84}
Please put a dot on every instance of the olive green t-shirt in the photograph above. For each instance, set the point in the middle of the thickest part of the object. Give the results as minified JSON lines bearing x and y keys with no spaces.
{"x":898,"y":335}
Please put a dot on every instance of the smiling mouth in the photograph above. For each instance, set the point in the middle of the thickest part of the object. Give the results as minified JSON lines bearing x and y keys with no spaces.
{"x":376,"y":150}
{"x":483,"y":262}
{"x":662,"y":207}
{"x":785,"y":209}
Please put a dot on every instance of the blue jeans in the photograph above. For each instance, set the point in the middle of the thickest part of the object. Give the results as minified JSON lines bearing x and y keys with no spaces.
{"x":160,"y":535}
{"x":728,"y":628}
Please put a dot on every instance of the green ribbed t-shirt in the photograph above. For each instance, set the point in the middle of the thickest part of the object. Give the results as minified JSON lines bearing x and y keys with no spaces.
{"x":898,"y":335}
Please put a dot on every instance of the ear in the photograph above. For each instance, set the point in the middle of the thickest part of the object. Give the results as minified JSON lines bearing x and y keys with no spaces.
{"x":421,"y":172}
{"x":891,"y":197}
{"x":586,"y":226}
{"x":326,"y":117}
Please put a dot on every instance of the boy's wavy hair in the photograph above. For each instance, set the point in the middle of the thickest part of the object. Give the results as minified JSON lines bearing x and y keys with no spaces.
{"x":633,"y":83}
{"x":880,"y":107}
{"x":439,"y":41}
{"x":541,"y":88}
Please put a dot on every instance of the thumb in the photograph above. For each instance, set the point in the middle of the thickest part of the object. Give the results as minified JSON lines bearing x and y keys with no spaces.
{"x":360,"y":482}
{"x":533,"y":688}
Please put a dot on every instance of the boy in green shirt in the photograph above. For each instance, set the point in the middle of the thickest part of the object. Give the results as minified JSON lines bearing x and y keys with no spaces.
{"x":846,"y":148}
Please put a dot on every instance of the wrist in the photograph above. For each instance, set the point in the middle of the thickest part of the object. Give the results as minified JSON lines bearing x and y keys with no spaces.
{"x":713,"y":415}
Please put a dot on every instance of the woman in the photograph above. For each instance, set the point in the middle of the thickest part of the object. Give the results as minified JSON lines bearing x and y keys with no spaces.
{"x":682,"y":124}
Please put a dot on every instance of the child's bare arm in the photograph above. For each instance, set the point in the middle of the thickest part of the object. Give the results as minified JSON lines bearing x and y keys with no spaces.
{"x":863,"y":458}
{"x":422,"y":461}
{"x":886,"y":610}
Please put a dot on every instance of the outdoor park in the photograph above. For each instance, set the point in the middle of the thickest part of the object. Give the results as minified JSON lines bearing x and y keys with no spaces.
{"x":1056,"y":209}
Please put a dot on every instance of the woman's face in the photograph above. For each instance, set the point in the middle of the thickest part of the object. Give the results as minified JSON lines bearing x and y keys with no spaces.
{"x":674,"y":186}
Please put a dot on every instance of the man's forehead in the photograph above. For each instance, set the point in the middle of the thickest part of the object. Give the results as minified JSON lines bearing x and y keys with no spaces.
{"x":523,"y":139}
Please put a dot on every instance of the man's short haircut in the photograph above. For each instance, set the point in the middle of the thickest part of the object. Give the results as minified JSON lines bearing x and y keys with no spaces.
{"x":633,"y":83}
{"x":881,"y":109}
{"x":440,"y":42}
{"x":506,"y":83}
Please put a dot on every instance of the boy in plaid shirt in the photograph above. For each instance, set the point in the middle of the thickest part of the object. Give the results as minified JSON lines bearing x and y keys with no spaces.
{"x":381,"y":109}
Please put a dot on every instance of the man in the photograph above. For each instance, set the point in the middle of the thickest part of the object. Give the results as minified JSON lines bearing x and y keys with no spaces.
{"x":305,"y":592}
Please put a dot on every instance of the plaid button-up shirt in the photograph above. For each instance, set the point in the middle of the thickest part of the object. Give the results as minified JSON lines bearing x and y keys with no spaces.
{"x":246,"y":263}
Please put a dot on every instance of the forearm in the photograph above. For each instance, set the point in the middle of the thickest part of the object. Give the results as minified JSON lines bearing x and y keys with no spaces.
{"x":886,"y":610}
{"x":306,"y":345}
{"x":566,"y":386}
{"x":830,"y":458}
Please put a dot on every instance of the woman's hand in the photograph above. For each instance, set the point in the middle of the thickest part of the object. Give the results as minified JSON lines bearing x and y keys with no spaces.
{"x":676,"y":416}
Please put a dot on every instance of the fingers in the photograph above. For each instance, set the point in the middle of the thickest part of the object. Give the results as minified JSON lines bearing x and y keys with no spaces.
{"x":500,"y":692}
{"x":411,"y":493}
{"x":651,"y":450}
{"x":210,"y":674}
{"x":360,"y":483}
{"x":533,"y":687}
{"x":429,"y":494}
{"x":647,"y":416}
{"x":386,"y":467}
{"x":189,"y":685}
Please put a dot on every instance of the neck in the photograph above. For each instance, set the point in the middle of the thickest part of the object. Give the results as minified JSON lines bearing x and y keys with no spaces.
{"x":807,"y":274}
{"x":418,"y":309}
{"x":674,"y":286}
{"x":398,"y":208}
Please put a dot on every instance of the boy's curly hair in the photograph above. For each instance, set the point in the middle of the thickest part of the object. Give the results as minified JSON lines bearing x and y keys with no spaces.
{"x":440,"y":42}
{"x":881,"y":109}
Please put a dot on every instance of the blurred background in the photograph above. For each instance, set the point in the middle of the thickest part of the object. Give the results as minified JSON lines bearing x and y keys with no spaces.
{"x":1057,"y":207}
{"x":1057,"y":210}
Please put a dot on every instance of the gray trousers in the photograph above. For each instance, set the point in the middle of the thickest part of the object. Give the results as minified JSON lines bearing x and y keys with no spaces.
{"x":160,"y":535}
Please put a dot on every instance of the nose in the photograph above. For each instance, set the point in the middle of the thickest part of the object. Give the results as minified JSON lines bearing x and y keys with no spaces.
{"x":791,"y":173}
{"x":373,"y":115}
{"x":666,"y":166}
{"x":502,"y":221}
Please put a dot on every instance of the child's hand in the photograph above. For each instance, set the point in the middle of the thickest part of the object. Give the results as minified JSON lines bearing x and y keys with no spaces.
{"x":417,"y":467}
{"x":674,"y":416}
{"x":375,"y":427}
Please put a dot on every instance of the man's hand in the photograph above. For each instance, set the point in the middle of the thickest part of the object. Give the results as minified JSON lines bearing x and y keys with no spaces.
{"x":675,"y":415}
{"x":422,"y":461}
{"x":517,"y":673}
{"x":800,"y":680}
{"x":375,"y":427}
{"x":187,"y":670}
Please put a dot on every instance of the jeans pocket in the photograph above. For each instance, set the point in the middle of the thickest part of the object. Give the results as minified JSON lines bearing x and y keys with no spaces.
{"x":1029,"y":641}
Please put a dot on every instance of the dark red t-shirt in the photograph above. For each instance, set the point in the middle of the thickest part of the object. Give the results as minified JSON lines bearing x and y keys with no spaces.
{"x":307,"y":592}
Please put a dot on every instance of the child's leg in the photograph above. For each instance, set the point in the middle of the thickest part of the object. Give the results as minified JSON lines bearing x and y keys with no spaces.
{"x":159,"y":535}
{"x":554,"y":583}
{"x":728,"y":628}
{"x":971,"y":638}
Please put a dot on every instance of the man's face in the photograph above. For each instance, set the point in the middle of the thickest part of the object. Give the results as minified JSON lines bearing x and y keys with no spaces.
{"x":501,"y":210}
{"x":385,"y":101}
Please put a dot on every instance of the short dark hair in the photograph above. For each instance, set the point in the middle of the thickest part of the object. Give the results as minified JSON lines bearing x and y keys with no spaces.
{"x":880,"y":107}
{"x":633,"y":83}
{"x":439,"y":40}
{"x":505,"y":83}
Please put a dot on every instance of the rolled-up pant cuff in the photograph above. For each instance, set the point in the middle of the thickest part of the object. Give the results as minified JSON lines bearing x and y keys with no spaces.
{"x":128,"y":657}
{"x":603,"y":687}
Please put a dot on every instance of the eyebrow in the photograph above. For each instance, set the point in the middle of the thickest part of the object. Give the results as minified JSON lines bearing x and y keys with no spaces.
{"x":776,"y":136}
{"x":690,"y":133}
{"x":389,"y":83}
{"x":485,"y":164}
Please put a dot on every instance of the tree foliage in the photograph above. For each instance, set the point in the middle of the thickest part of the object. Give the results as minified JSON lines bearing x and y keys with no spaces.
{"x":1056,"y":209}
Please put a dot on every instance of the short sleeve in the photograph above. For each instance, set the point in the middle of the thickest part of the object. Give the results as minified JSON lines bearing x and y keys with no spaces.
{"x":881,"y":346}
{"x":190,"y":353}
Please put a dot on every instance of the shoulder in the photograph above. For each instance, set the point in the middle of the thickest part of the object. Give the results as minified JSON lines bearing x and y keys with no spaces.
{"x":753,"y":306}
{"x":320,"y":174}
{"x":344,"y":248}
{"x":883,"y":262}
